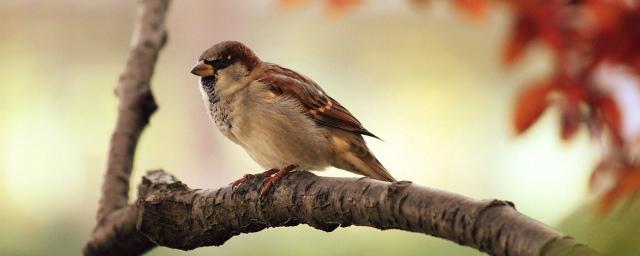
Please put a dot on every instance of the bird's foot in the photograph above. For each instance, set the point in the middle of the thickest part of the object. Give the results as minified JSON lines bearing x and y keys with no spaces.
{"x":249,"y":176}
{"x":277,"y":176}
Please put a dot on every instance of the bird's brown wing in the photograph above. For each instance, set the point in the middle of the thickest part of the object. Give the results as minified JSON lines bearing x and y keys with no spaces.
{"x":317,"y":104}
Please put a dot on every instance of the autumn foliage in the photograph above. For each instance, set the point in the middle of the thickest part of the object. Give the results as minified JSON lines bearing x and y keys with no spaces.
{"x":585,"y":37}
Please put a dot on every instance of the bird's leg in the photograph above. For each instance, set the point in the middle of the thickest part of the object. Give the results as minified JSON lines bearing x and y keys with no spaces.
{"x":250,"y":176}
{"x":268,"y":183}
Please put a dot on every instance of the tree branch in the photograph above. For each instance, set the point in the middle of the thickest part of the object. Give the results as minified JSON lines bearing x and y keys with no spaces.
{"x":134,"y":110}
{"x":168,"y":213}
{"x":172,"y":215}
{"x":136,"y":104}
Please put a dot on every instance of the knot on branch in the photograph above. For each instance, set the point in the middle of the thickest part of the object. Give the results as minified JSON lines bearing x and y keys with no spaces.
{"x":160,"y":182}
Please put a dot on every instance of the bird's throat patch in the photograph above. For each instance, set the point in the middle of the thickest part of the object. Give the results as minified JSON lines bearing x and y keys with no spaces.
{"x":208,"y":82}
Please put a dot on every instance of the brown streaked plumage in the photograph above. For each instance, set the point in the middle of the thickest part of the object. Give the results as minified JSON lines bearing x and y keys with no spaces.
{"x":280,"y":117}
{"x":321,"y":107}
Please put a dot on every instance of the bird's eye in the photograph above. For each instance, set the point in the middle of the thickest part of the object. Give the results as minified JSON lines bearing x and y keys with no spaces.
{"x":220,"y":63}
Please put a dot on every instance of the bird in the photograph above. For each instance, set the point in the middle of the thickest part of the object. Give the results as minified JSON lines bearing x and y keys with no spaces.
{"x":283,"y":119}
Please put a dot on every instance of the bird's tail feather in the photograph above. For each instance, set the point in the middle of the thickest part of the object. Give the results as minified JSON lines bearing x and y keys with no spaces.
{"x":353,"y":155}
{"x":376,"y":170}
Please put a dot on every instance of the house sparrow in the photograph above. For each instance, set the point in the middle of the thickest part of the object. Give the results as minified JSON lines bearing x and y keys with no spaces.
{"x":280,"y":117}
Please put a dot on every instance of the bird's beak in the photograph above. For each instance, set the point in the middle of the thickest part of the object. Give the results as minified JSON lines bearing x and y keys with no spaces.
{"x":202,"y":70}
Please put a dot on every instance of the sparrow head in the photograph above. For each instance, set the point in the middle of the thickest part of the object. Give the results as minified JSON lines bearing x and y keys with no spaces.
{"x":229,"y":61}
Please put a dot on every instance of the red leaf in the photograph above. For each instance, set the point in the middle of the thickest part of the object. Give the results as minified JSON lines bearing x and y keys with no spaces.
{"x":571,"y":116}
{"x":474,"y":8}
{"x":570,"y":120}
{"x":530,"y":105}
{"x":340,"y":6}
{"x":607,"y":109}
{"x":522,"y":33}
{"x":291,"y":3}
{"x":605,"y":14}
{"x":617,"y":42}
{"x":602,"y":167}
{"x":420,"y":3}
{"x":628,"y":182}
{"x":573,"y":92}
{"x":549,"y":16}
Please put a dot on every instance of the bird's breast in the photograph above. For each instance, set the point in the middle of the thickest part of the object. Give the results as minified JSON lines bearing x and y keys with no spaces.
{"x":220,"y":110}
{"x":275,"y":133}
{"x":221,"y":116}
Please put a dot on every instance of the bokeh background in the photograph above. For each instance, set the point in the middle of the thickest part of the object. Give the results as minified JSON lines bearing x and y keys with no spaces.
{"x":430,"y":82}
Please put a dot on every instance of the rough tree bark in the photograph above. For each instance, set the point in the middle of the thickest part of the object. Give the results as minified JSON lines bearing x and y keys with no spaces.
{"x":168,"y":213}
{"x":173,"y":215}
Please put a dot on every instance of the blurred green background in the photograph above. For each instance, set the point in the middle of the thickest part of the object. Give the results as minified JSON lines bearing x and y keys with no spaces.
{"x":429,"y":82}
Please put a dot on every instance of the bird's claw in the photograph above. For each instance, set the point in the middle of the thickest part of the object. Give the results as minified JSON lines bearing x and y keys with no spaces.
{"x":274,"y":178}
{"x":249,"y":176}
{"x":242,"y":180}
